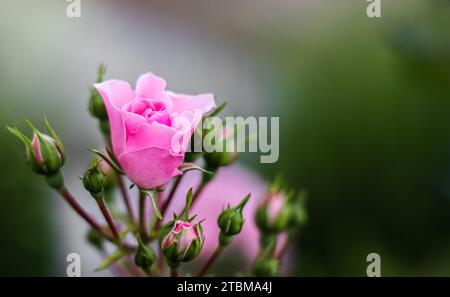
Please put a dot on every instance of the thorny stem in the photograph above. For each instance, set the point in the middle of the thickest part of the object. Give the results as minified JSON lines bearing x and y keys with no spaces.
{"x":210,"y":261}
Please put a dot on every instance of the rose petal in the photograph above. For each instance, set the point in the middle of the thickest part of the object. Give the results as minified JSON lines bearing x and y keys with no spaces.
{"x":151,"y":167}
{"x":132,"y":122}
{"x":182,"y":102}
{"x":115,"y":94}
{"x":153,"y":87}
{"x":152,"y":135}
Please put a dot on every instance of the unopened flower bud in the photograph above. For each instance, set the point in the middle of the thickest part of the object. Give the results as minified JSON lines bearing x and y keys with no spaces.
{"x":266,"y":267}
{"x":231,"y":221}
{"x":93,"y":180}
{"x":181,"y":241}
{"x":48,"y":157}
{"x":227,"y":153}
{"x":144,"y":257}
{"x":273,"y":214}
{"x":45,"y":153}
{"x":96,"y":106}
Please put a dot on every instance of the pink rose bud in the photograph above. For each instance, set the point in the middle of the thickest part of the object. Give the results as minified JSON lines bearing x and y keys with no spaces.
{"x":181,"y":241}
{"x":151,"y":127}
{"x":45,"y":154}
{"x":273,"y":214}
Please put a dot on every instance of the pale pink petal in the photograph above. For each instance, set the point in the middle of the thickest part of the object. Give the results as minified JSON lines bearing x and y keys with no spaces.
{"x":37,"y":149}
{"x":182,"y":102}
{"x":150,"y":167}
{"x":132,"y":122}
{"x":150,"y":86}
{"x":152,"y":135}
{"x":115,"y":94}
{"x":185,"y":125}
{"x":276,"y":204}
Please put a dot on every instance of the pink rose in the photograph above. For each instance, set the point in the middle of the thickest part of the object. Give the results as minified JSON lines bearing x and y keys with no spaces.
{"x":183,"y":233}
{"x":151,"y":127}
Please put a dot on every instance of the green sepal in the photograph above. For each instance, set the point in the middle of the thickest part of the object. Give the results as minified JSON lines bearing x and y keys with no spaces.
{"x":152,"y":195}
{"x":30,"y":157}
{"x":186,"y":167}
{"x":107,"y":159}
{"x":58,"y":142}
{"x":184,"y":216}
{"x":217,"y":110}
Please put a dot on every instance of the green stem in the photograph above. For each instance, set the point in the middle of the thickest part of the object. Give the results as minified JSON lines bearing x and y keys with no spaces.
{"x":174,"y":272}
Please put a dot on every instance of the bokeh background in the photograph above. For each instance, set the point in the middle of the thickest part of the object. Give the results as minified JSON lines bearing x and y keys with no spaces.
{"x":364,"y":107}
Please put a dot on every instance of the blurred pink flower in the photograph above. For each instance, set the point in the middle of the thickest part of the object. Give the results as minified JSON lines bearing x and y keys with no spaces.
{"x":151,"y":127}
{"x":276,"y":204}
{"x":230,"y":185}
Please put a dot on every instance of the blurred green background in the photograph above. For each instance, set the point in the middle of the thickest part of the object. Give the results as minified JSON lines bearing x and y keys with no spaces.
{"x":364,"y":107}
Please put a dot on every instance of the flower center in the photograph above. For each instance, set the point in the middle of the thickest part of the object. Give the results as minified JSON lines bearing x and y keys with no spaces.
{"x":150,"y":109}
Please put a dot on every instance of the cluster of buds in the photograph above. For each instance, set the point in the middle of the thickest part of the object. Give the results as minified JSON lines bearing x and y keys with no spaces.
{"x":181,"y":239}
{"x":279,"y":212}
{"x":44,"y":153}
